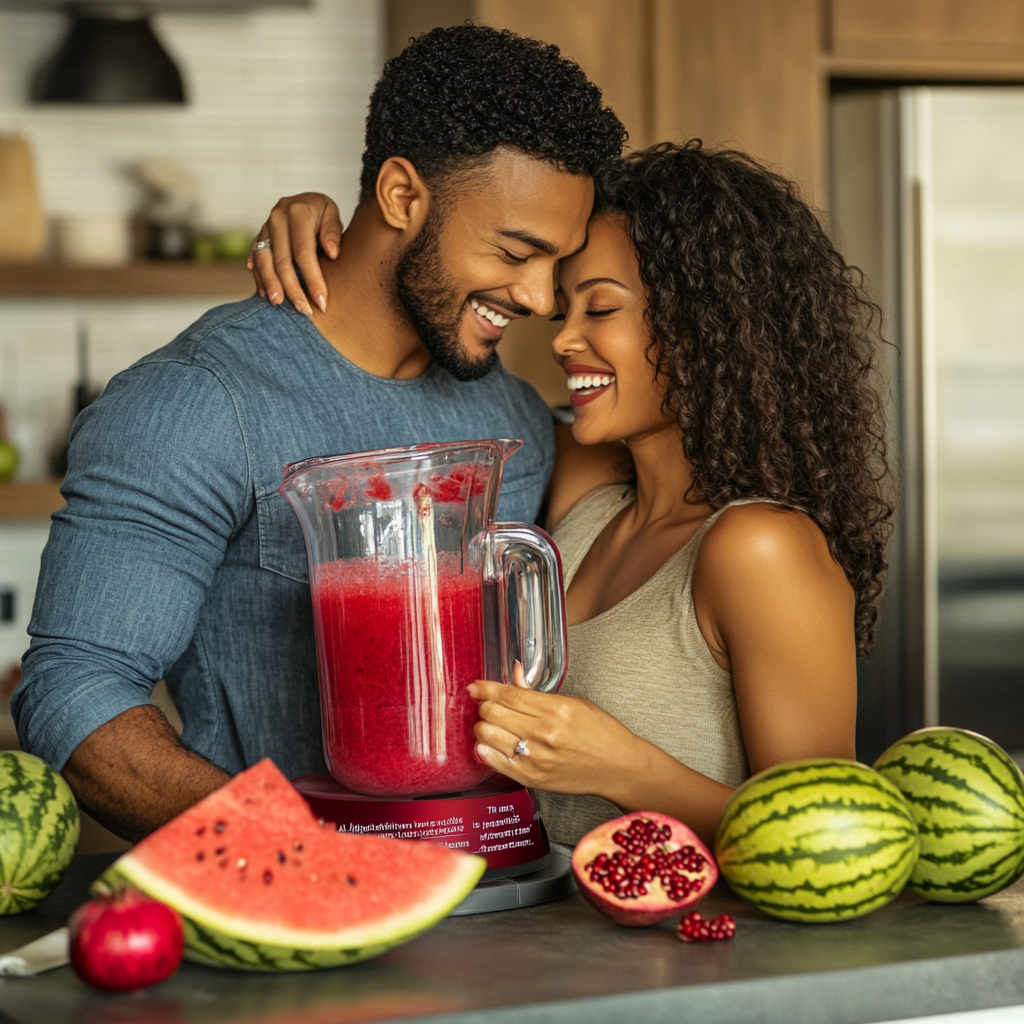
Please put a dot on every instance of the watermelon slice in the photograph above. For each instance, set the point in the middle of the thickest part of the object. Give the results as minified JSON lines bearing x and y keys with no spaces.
{"x":263,"y":886}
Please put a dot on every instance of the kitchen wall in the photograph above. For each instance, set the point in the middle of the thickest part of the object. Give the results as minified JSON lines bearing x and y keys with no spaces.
{"x":277,"y":102}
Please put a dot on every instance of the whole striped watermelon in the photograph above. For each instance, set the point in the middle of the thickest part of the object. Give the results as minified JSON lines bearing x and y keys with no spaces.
{"x":817,"y":840}
{"x":38,"y":830}
{"x":967,"y":797}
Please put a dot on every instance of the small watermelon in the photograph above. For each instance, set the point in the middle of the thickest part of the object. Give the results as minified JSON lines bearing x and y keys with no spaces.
{"x":38,"y":830}
{"x":967,"y":797}
{"x":261,"y":885}
{"x":817,"y":840}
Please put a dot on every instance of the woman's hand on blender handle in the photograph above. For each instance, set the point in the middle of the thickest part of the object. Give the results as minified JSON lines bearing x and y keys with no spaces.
{"x":294,"y":226}
{"x":573,"y":746}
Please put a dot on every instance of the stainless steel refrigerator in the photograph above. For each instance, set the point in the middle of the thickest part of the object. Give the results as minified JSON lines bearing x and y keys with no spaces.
{"x":927,"y":197}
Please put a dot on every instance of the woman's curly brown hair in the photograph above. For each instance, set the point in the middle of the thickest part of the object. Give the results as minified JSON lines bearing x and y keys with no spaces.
{"x":768,"y":344}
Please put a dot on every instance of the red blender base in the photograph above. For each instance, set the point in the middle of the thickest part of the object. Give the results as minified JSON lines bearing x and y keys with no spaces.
{"x":498,"y":820}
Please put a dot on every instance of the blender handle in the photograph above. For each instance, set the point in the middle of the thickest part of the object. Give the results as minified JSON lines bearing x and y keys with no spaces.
{"x":531,"y":602}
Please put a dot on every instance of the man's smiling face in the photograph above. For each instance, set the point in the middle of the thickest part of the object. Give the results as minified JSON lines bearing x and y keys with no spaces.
{"x":488,"y":254}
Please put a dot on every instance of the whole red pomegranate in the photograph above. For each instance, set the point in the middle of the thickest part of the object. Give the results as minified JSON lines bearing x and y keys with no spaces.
{"x":125,"y":941}
{"x":642,"y":868}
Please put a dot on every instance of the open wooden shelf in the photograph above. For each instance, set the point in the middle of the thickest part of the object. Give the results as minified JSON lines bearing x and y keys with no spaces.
{"x":29,"y":499}
{"x":147,"y":279}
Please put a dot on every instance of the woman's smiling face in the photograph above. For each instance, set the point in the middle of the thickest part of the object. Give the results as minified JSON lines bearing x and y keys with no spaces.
{"x":603,"y":340}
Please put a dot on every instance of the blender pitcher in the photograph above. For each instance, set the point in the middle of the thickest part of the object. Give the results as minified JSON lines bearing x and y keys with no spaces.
{"x":417,"y":592}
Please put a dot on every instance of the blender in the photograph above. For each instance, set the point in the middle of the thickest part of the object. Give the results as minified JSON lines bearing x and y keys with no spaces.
{"x":417,"y":592}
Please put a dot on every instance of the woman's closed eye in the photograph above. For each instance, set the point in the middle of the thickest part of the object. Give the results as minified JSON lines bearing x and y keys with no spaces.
{"x":511,"y":257}
{"x":589,"y":312}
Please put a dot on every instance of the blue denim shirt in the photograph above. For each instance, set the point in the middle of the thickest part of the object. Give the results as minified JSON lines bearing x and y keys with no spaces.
{"x":175,"y":556}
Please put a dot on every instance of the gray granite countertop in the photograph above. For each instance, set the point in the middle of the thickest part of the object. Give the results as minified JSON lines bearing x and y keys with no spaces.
{"x":562,"y":962}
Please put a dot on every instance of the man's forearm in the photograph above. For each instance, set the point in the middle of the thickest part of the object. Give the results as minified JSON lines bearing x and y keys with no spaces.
{"x":133,"y":774}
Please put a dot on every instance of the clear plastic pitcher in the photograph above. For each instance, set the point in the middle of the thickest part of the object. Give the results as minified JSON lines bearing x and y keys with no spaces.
{"x":416,"y":593}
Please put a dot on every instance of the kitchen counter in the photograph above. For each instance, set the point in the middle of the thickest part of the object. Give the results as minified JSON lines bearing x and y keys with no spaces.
{"x":562,"y":962}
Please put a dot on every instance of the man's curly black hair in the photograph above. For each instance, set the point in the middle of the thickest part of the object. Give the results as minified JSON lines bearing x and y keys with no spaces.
{"x":453,"y":95}
{"x":768,"y":346}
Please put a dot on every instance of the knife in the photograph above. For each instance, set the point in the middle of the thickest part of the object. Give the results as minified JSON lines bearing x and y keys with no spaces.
{"x":42,"y":955}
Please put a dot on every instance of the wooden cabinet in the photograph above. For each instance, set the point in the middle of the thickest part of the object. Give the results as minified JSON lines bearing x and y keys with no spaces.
{"x":747,"y":74}
{"x":931,"y":38}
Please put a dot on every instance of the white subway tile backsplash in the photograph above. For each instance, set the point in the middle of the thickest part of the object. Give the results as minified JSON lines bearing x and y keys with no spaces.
{"x":38,"y":358}
{"x":277,"y":103}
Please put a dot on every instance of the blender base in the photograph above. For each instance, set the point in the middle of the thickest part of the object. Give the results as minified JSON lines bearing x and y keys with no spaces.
{"x":498,"y":820}
{"x":553,"y":881}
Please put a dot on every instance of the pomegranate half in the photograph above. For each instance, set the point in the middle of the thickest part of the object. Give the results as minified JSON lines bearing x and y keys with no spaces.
{"x":642,"y":868}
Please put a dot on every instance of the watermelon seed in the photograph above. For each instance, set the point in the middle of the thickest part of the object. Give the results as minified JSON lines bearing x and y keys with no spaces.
{"x":220,"y":826}
{"x":268,"y":877}
{"x":281,"y":858}
{"x":200,"y":855}
{"x":351,"y":880}
{"x":200,"y":830}
{"x":222,"y":863}
{"x":298,"y":846}
{"x":220,"y":850}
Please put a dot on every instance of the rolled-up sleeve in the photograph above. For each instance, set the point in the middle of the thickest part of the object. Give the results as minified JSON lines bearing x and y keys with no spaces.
{"x":158,"y":482}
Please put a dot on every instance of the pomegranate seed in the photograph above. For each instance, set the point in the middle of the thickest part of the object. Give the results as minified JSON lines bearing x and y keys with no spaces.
{"x":645,"y":856}
{"x":695,"y":928}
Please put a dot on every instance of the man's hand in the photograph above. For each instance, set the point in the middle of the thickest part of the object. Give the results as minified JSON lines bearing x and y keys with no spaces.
{"x":293,"y":227}
{"x":133,"y":774}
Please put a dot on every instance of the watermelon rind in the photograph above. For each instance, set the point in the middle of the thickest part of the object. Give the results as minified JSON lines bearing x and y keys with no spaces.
{"x":222,"y":941}
{"x":967,"y":796}
{"x":39,"y":828}
{"x":817,"y":840}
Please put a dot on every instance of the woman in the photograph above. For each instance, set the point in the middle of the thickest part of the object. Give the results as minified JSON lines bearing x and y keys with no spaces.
{"x":717,"y":603}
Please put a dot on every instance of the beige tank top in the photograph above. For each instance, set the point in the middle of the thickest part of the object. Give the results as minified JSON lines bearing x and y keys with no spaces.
{"x":646,"y":662}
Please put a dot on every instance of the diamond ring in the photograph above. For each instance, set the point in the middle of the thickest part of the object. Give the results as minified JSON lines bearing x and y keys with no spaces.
{"x":522,"y":750}
{"x":264,"y":244}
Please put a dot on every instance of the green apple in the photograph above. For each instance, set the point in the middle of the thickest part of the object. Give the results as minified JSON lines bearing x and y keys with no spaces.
{"x":234,"y":245}
{"x":8,"y":459}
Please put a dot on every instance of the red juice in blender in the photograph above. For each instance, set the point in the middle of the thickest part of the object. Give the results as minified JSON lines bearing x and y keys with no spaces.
{"x":397,"y":653}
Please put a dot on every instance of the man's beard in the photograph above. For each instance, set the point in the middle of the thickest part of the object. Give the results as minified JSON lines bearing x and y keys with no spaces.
{"x":432,"y":303}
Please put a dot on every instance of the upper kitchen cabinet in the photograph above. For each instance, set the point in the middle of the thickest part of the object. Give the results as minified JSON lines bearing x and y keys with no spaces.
{"x":744,"y":73}
{"x":925,"y":39}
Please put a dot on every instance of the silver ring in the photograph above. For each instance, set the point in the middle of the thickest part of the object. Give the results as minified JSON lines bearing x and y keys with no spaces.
{"x":522,"y":750}
{"x":265,"y":244}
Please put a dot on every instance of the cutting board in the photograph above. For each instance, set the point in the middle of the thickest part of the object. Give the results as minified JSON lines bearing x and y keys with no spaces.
{"x":22,"y":228}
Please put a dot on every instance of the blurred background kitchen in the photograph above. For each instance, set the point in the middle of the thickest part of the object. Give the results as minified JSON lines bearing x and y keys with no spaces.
{"x":131,"y":188}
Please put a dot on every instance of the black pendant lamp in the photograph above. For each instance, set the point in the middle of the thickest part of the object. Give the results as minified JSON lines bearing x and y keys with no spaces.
{"x":110,"y":55}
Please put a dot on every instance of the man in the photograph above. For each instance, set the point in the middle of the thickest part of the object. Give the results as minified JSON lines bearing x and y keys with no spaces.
{"x":175,"y":556}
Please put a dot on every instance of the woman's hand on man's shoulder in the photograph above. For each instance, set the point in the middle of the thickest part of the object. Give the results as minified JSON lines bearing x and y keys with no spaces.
{"x":294,"y":227}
